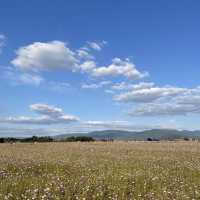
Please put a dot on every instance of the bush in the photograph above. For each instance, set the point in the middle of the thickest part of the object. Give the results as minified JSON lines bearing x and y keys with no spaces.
{"x":37,"y":139}
{"x":80,"y":139}
{"x":153,"y":139}
{"x":2,"y":140}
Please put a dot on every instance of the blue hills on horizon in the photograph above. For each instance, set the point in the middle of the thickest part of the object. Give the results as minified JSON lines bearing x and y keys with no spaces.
{"x":159,"y":134}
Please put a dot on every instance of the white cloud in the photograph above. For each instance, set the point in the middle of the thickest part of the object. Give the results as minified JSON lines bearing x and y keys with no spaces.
{"x":149,"y":94}
{"x":16,"y":78}
{"x":46,"y":110}
{"x":90,"y":86}
{"x":192,"y":97}
{"x":105,"y":122}
{"x":119,"y":68}
{"x":56,"y":55}
{"x":129,"y":86}
{"x":114,"y":125}
{"x":152,"y":100}
{"x":45,"y":120}
{"x":95,"y":85}
{"x":97,"y":45}
{"x":48,"y":115}
{"x":45,"y":56}
{"x":166,"y":101}
{"x":88,"y":66}
{"x":31,"y":79}
{"x":83,"y":54}
{"x":165,"y":109}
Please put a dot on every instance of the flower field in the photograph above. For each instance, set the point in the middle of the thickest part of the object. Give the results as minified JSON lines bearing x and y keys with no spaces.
{"x":100,"y":170}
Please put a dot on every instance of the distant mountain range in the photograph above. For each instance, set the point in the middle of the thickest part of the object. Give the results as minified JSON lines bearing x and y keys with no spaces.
{"x":160,"y":134}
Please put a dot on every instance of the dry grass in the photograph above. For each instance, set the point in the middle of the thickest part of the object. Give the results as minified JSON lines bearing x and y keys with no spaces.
{"x":118,"y":170}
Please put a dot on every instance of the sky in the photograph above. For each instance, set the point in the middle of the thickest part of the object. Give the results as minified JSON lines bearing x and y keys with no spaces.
{"x":79,"y":66}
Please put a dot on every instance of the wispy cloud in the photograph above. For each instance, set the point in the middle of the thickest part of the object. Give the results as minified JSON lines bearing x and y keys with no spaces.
{"x":16,"y":78}
{"x":95,"y":85}
{"x":165,"y":109}
{"x":47,"y":115}
{"x":130,"y":86}
{"x":160,"y":101}
{"x":2,"y":42}
{"x":97,"y":45}
{"x":149,"y":94}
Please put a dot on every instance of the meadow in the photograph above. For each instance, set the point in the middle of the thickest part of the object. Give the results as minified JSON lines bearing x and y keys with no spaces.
{"x":100,"y":170}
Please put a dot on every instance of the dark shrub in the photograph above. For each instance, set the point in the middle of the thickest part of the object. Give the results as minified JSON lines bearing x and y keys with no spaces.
{"x":37,"y":139}
{"x":106,"y":140}
{"x":153,"y":139}
{"x":2,"y":140}
{"x":80,"y":139}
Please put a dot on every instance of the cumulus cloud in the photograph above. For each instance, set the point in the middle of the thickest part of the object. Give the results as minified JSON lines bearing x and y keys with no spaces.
{"x":119,"y":67}
{"x":192,"y":97}
{"x":48,"y":115}
{"x":55,"y":55}
{"x":151,"y":100}
{"x":88,"y":66}
{"x":176,"y":101}
{"x":45,"y":56}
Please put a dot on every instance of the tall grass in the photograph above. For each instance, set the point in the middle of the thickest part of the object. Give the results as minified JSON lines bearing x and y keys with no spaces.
{"x":100,"y":170}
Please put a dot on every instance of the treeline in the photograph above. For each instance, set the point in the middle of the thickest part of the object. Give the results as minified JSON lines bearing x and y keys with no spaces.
{"x":171,"y":139}
{"x":34,"y":139}
{"x":46,"y":139}
{"x":29,"y":139}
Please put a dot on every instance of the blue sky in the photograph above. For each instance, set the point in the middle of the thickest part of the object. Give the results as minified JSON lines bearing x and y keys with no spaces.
{"x":68,"y":66}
